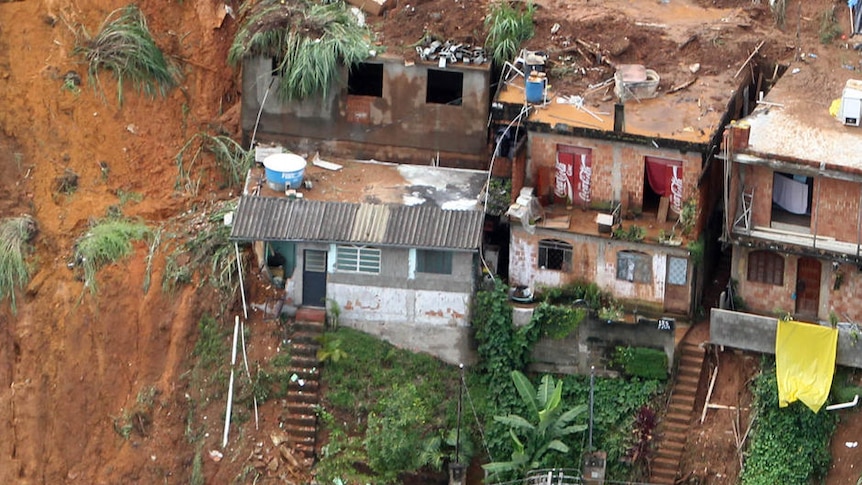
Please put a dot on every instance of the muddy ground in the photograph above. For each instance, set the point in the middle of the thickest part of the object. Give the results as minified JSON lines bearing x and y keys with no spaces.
{"x":72,"y":362}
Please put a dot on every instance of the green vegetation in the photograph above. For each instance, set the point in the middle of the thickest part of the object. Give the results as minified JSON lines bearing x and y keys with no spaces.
{"x":205,"y":246}
{"x":125,"y":47}
{"x":310,"y":40}
{"x":543,"y":432}
{"x":641,"y":362}
{"x":509,"y":24}
{"x":106,"y":242}
{"x":790,"y":444}
{"x":634,"y":233}
{"x":231,"y":158}
{"x":499,"y":195}
{"x":389,"y":417}
{"x":830,"y":29}
{"x":16,"y":234}
{"x":688,"y":216}
{"x":557,"y":321}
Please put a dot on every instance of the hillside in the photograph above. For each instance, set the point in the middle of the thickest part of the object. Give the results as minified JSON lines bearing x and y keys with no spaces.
{"x":73,"y":362}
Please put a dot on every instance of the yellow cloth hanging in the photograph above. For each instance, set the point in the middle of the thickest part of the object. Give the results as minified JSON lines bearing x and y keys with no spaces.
{"x":804,"y":362}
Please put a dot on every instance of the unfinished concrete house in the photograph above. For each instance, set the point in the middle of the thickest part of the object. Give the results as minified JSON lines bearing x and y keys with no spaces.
{"x":386,"y":108}
{"x":794,"y":202}
{"x":393,"y":250}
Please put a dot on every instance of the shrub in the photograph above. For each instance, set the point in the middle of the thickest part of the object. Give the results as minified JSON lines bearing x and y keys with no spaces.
{"x":394,"y":438}
{"x":557,"y":322}
{"x":125,"y":47}
{"x":15,"y":236}
{"x":641,"y":362}
{"x":107,"y":241}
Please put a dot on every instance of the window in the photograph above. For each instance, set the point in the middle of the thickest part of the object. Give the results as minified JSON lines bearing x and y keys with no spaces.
{"x":444,"y":87}
{"x":366,"y":79}
{"x":792,"y":197}
{"x":430,"y":261}
{"x":357,"y":259}
{"x":555,"y":254}
{"x":766,"y":267}
{"x":677,"y":271}
{"x":634,"y":266}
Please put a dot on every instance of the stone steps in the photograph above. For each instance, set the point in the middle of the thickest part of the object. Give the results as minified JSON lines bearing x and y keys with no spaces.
{"x":672,"y":431}
{"x":303,"y":392}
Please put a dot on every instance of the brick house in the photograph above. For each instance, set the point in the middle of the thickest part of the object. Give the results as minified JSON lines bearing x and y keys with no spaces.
{"x":794,"y":206}
{"x":635,"y":166}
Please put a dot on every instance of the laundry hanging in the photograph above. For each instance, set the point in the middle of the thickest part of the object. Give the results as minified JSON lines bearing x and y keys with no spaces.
{"x":804,"y":362}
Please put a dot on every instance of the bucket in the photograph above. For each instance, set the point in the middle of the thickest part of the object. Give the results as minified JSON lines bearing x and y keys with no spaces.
{"x":535,"y":87}
{"x":284,"y":170}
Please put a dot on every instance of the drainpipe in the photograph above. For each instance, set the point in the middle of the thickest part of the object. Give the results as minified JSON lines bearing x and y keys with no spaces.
{"x":844,"y":405}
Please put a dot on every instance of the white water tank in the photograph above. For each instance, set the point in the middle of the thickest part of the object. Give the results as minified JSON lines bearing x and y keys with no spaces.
{"x":851,"y":103}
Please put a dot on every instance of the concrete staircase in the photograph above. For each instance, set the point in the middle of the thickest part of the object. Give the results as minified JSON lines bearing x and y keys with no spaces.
{"x":300,"y":421}
{"x":673,"y":429}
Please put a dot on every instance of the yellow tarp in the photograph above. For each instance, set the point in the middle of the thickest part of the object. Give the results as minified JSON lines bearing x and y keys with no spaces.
{"x":804,"y":362}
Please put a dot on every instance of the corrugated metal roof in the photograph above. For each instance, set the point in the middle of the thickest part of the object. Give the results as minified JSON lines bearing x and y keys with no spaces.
{"x":281,"y":219}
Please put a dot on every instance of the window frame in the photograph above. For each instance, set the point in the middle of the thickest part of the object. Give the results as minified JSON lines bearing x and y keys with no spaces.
{"x":641,"y":272}
{"x":363,"y":260}
{"x":766,"y":267}
{"x":445,"y":262}
{"x":670,"y":260}
{"x":551,"y":250}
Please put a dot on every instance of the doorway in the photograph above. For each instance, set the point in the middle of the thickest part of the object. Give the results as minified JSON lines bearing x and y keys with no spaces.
{"x":807,"y":287}
{"x":314,"y":278}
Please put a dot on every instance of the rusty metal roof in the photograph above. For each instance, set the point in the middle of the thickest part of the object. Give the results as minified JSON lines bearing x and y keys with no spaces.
{"x":282,"y":219}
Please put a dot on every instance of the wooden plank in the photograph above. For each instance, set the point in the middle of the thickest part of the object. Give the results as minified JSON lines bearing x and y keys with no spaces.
{"x":663,"y":206}
{"x":709,"y":394}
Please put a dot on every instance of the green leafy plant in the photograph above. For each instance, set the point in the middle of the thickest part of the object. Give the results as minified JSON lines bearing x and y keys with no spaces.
{"x":696,"y":251}
{"x":106,"y":242}
{"x":557,"y":322}
{"x":634,"y":233}
{"x":544,"y":428}
{"x":509,"y":24}
{"x":125,"y":47}
{"x":612,"y":312}
{"x":16,"y":234}
{"x":788,"y":444}
{"x":641,"y":362}
{"x":330,"y":349}
{"x":393,"y":439}
{"x":334,"y":314}
{"x":439,"y":449}
{"x":309,"y":40}
{"x":688,"y":216}
{"x":499,"y":195}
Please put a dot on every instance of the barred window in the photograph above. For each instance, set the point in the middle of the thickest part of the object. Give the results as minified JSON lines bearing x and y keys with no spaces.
{"x":357,"y":259}
{"x":766,"y":267}
{"x":431,"y":261}
{"x":677,"y":271}
{"x":555,"y":255}
{"x":634,"y":266}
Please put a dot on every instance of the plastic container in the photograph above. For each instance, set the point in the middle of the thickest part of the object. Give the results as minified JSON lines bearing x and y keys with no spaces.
{"x":535,"y":87}
{"x":284,"y":171}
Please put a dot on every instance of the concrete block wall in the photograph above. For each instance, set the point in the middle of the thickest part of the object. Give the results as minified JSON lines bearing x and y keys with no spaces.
{"x":618,"y":168}
{"x":757,"y":334}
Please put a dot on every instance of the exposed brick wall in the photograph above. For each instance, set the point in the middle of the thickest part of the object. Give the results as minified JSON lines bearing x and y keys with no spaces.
{"x":618,"y":168}
{"x":845,"y":299}
{"x":760,"y":178}
{"x":836,"y":209}
{"x":763,"y":297}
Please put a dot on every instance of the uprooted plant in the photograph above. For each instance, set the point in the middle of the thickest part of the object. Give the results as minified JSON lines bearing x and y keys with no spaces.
{"x":509,"y":24}
{"x":309,"y":40}
{"x":16,"y":233}
{"x":105,"y":242}
{"x":231,"y":158}
{"x":125,"y":47}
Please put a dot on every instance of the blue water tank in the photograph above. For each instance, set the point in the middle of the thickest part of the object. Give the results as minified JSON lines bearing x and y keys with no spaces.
{"x":284,"y":171}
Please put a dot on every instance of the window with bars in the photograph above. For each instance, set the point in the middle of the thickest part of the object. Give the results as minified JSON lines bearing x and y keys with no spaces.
{"x":634,"y":266}
{"x":433,"y":261}
{"x":556,"y":255}
{"x":766,"y":267}
{"x":357,"y":259}
{"x":677,"y":271}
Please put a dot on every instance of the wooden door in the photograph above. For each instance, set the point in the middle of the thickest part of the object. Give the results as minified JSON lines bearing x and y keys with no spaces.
{"x":807,"y":287}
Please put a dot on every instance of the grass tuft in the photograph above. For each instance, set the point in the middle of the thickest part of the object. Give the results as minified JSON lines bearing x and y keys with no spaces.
{"x":508,"y":27}
{"x":232,"y":159}
{"x":15,"y":236}
{"x":310,"y":40}
{"x":106,"y":242}
{"x":125,"y":47}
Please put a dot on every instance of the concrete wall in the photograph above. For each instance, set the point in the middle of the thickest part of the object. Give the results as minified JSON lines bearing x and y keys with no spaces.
{"x":592,"y":344}
{"x":757,"y":334}
{"x":423,"y":312}
{"x":618,"y":168}
{"x":594,"y":259}
{"x":371,"y":125}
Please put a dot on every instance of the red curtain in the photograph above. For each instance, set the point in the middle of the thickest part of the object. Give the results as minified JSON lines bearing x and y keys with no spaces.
{"x":573,"y":174}
{"x":665,"y":179}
